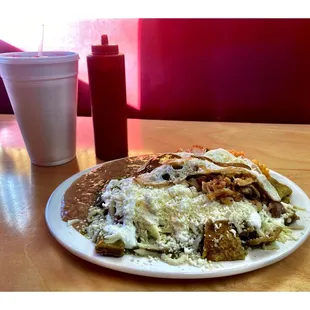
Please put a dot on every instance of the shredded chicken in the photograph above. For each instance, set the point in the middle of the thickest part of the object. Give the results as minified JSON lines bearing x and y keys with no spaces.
{"x":225,"y":189}
{"x":244,"y":182}
{"x":218,"y":189}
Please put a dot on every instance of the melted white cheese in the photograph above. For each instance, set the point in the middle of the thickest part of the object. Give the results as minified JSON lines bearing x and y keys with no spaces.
{"x":255,"y":220}
{"x":178,"y":209}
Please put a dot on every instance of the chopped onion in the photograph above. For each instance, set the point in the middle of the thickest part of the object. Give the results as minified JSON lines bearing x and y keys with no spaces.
{"x":147,"y":246}
{"x":297,"y":227}
{"x":143,"y":252}
{"x":174,"y":261}
{"x":270,"y":247}
{"x":72,"y":222}
{"x":112,"y":238}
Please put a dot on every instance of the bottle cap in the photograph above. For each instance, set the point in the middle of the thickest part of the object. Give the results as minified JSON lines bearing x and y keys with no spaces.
{"x":104,"y":48}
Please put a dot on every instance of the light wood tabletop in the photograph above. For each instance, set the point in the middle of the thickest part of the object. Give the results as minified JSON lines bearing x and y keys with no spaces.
{"x":32,"y":260}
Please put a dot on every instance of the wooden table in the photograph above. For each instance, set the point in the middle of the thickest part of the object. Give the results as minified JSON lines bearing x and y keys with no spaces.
{"x":32,"y":260}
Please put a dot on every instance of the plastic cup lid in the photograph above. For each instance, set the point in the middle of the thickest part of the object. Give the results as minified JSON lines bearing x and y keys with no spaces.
{"x":26,"y":58}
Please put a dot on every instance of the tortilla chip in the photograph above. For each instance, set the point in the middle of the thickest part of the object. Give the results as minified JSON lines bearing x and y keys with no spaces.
{"x":220,"y":243}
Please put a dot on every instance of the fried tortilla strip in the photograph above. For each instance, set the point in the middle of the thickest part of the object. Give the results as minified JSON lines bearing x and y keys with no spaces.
{"x":116,"y":249}
{"x":267,"y":239}
{"x":220,"y":244}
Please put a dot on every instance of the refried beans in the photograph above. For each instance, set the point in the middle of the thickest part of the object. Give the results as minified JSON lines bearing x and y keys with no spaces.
{"x":82,"y":193}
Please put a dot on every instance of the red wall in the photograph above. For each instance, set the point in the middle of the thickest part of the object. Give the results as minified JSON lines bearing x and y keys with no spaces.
{"x":225,"y":69}
{"x":204,"y":69}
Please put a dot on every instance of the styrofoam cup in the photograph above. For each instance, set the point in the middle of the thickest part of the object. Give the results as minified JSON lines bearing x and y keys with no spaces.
{"x":43,"y":94}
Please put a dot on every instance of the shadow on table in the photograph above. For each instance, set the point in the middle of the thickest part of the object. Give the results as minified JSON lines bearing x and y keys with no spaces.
{"x":44,"y":180}
{"x":54,"y":174}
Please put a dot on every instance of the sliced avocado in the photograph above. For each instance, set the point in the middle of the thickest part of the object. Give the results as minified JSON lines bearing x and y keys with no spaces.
{"x":283,"y":190}
{"x":286,"y":199}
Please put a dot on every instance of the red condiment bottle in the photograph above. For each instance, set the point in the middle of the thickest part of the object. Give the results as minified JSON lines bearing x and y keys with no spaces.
{"x":107,"y":84}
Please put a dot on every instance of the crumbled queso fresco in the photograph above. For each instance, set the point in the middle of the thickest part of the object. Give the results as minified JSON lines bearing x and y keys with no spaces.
{"x":167,"y":218}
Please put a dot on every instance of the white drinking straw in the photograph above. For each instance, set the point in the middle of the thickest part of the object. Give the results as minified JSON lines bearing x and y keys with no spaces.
{"x":41,"y":44}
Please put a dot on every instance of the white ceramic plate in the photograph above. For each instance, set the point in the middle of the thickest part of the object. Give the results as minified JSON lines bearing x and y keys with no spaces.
{"x":84,"y":248}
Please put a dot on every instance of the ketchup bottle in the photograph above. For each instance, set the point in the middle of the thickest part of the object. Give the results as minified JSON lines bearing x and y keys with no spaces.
{"x":107,"y":84}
